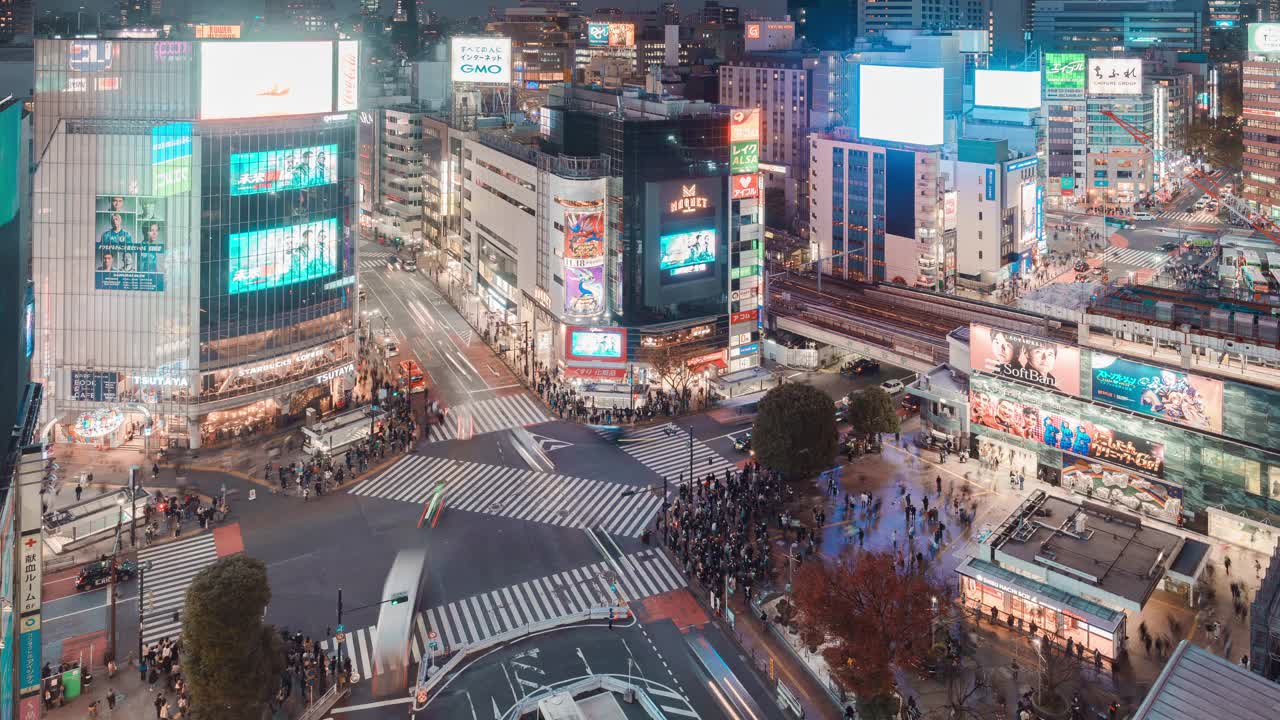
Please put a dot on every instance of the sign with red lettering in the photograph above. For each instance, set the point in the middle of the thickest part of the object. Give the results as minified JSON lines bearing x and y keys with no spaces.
{"x":746,"y":316}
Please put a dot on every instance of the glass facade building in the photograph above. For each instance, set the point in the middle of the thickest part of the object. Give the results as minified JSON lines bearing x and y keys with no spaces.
{"x":195,"y":280}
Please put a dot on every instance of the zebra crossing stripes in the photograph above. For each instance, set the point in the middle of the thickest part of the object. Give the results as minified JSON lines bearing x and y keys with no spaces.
{"x":372,"y":264}
{"x":1207,"y":217}
{"x":1135,"y":258}
{"x":664,"y":450}
{"x":164,"y":584}
{"x":516,"y":493}
{"x":485,"y":416}
{"x":479,"y":617}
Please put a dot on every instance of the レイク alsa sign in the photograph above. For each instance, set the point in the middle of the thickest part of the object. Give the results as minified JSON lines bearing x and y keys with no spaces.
{"x":481,"y":60}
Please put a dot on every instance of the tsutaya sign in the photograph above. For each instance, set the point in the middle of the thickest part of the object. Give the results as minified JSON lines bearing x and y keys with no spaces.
{"x":689,"y":201}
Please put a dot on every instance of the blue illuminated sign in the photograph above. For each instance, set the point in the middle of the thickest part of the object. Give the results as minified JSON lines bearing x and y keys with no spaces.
{"x":1028,"y":162}
{"x":991,"y":184}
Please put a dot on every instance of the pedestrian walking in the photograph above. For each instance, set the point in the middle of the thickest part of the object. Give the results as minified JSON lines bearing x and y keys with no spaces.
{"x":938,"y":483}
{"x":111,"y":698}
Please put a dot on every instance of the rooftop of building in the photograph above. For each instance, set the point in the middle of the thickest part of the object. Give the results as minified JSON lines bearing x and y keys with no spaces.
{"x":1112,"y":551}
{"x":1196,"y":684}
{"x":630,"y":103}
{"x":794,"y":58}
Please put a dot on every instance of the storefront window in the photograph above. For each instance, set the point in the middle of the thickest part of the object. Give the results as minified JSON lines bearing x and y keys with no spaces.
{"x":1253,"y":476}
{"x":1274,"y":471}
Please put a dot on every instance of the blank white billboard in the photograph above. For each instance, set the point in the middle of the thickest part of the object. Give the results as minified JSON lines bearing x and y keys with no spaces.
{"x":1006,"y":89}
{"x":900,"y":104}
{"x":265,"y":79}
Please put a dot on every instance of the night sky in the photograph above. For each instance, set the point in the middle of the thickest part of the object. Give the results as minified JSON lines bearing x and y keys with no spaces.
{"x":234,"y":9}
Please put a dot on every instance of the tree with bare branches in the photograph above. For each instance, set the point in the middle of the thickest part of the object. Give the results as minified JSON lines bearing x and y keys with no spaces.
{"x":672,"y":366}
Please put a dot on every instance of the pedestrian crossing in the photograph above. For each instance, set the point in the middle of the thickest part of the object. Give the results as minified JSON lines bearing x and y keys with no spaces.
{"x":664,"y":450}
{"x":479,"y":617}
{"x":1135,"y":258}
{"x":517,"y":493}
{"x":165,"y":581}
{"x":367,"y":264}
{"x":485,"y":416}
{"x":1203,"y":217}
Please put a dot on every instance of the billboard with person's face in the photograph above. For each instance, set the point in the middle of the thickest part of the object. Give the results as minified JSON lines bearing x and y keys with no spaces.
{"x":1021,"y":357}
{"x":264,"y":259}
{"x":291,"y":169}
{"x":129,"y":243}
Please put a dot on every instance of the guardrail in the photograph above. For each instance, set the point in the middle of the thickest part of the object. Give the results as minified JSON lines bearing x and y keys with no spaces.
{"x":326,"y":702}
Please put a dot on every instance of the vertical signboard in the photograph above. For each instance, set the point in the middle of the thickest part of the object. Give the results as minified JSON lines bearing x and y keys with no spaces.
{"x":583,"y":257}
{"x":129,"y":243}
{"x":744,"y":141}
{"x":990,"y":177}
{"x":348,"y":75}
{"x":30,"y":578}
{"x":171,"y":159}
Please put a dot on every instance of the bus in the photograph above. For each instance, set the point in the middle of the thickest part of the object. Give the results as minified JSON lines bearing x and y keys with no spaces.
{"x":411,"y":377}
{"x":392,"y":640}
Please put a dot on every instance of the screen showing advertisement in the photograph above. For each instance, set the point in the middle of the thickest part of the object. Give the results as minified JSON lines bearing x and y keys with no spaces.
{"x":1027,"y":213}
{"x":265,"y":79}
{"x":595,"y":344}
{"x":1115,"y":76}
{"x":263,"y":259}
{"x":950,"y":210}
{"x":901,"y":104}
{"x":603,"y":34}
{"x":129,"y":243}
{"x":1021,"y":357}
{"x":1188,"y":400}
{"x":583,"y":238}
{"x":584,"y":290}
{"x":687,"y":248}
{"x":1066,"y":433}
{"x":1006,"y":89}
{"x":171,"y":159}
{"x":1137,"y":493}
{"x":291,"y":169}
{"x":91,"y":55}
{"x":481,"y":60}
{"x":1064,"y":71}
{"x":348,"y":75}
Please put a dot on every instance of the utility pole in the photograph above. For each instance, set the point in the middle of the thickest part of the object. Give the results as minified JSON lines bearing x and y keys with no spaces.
{"x":115,"y":576}
{"x":691,"y":453}
{"x":133,"y":506}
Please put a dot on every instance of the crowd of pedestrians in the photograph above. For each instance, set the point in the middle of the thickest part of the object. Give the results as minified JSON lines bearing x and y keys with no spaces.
{"x":308,"y":671}
{"x":160,"y":669}
{"x":567,"y":403}
{"x":718,"y":527}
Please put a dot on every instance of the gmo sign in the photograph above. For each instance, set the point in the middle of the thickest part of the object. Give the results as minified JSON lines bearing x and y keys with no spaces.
{"x":481,"y":60}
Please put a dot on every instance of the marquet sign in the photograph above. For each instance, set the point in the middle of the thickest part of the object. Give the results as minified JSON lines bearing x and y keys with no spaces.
{"x":689,"y":201}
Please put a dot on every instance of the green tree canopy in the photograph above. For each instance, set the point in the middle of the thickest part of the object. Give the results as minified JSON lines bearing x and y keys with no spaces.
{"x":795,"y":430}
{"x":872,"y":411}
{"x":232,"y":660}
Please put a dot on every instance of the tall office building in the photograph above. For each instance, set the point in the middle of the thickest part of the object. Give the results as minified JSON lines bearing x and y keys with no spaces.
{"x":1261,"y":137}
{"x":17,"y":301}
{"x":824,"y":24}
{"x":876,"y":17}
{"x":217,"y":298}
{"x":1118,"y":26}
{"x":16,"y":19}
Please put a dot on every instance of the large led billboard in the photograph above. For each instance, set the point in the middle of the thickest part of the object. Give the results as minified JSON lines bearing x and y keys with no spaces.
{"x":129,"y":243}
{"x":1115,"y":76}
{"x":481,"y":60}
{"x":687,"y":249}
{"x":171,"y":158}
{"x":1064,"y":71}
{"x":291,"y":169}
{"x":265,"y":79}
{"x":1172,"y":395}
{"x":900,"y":104}
{"x":1006,"y":89}
{"x":1025,"y":358}
{"x":584,"y":290}
{"x":607,"y":344}
{"x":604,"y":34}
{"x":1066,"y":433}
{"x":263,"y":259}
{"x":583,"y":237}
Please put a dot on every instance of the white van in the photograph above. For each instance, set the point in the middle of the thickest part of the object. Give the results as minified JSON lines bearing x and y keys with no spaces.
{"x":1143,"y":216}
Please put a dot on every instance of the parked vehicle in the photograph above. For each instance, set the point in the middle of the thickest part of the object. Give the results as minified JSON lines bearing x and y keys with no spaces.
{"x":866,"y":366}
{"x":893,"y":387}
{"x":98,"y":573}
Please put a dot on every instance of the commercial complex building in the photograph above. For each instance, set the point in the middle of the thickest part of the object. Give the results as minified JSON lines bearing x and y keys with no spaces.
{"x":194,"y":244}
{"x":1264,"y":624}
{"x":607,"y":243}
{"x":996,"y":211}
{"x":876,"y":17}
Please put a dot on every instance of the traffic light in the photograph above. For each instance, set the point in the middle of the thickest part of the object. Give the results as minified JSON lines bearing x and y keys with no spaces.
{"x":399,"y":598}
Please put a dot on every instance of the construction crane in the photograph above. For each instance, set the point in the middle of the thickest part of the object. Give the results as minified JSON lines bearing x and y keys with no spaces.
{"x":1205,"y":183}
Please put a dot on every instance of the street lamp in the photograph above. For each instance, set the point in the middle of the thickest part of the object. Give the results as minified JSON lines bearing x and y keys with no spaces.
{"x":115,"y":574}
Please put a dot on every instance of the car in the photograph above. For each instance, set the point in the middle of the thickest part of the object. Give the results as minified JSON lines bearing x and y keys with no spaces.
{"x":410,"y":265}
{"x":1144,"y":216}
{"x":1170,"y":246}
{"x":893,"y":387}
{"x":866,"y":366}
{"x":1081,"y":266}
{"x":390,"y":346}
{"x":393,"y":262}
{"x":98,"y":573}
{"x":411,"y":377}
{"x":910,"y":403}
{"x":364,"y":295}
{"x":742,"y":443}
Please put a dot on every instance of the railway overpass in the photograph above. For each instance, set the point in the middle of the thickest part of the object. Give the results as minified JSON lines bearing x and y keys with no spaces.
{"x":895,"y":324}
